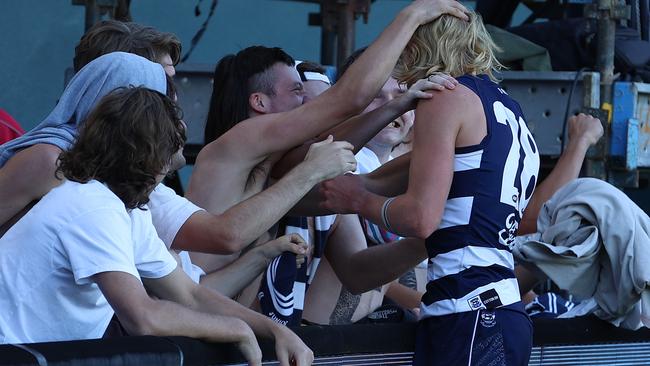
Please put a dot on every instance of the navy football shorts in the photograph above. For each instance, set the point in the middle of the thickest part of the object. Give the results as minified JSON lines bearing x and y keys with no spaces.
{"x":495,"y":337}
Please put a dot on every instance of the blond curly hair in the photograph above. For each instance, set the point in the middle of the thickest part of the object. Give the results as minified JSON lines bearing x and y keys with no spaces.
{"x":448,"y":45}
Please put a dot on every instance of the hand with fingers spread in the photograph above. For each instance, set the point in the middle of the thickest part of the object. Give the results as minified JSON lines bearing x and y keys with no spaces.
{"x":429,"y":10}
{"x":585,"y":129}
{"x":344,"y":194}
{"x":331,"y":158}
{"x":421,"y":89}
{"x":293,"y":243}
{"x":290,"y":349}
{"x":441,"y":81}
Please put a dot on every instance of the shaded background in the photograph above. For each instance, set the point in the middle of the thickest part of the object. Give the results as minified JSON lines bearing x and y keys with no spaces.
{"x":37,"y":39}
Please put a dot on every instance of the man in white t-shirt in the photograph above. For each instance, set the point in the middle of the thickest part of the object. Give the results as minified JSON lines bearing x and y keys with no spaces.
{"x":88,"y":249}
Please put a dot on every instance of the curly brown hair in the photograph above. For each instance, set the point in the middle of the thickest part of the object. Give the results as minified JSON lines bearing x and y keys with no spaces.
{"x":126,"y":143}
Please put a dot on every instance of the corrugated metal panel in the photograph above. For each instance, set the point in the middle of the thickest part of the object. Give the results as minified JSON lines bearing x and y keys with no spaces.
{"x":397,"y":359}
{"x":599,"y":354}
{"x":622,"y":354}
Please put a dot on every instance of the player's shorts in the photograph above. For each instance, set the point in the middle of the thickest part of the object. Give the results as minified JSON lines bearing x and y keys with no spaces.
{"x":495,"y":337}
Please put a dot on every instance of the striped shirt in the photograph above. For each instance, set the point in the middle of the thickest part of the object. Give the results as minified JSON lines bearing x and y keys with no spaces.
{"x":283,"y":288}
{"x":470,"y":263}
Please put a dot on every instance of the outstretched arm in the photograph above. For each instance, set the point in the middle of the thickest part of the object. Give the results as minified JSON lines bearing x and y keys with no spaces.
{"x":360,"y":129}
{"x":390,"y":179}
{"x":179,"y":288}
{"x":240,"y":225}
{"x":584,"y":131}
{"x":232,"y":279}
{"x":172,"y":315}
{"x":360,"y":268}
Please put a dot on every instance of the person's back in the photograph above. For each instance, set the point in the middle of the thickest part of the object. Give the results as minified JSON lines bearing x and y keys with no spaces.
{"x":482,"y":210}
{"x":472,"y":171}
{"x":485,"y":158}
{"x":47,"y":292}
{"x":93,"y":223}
{"x":30,"y":174}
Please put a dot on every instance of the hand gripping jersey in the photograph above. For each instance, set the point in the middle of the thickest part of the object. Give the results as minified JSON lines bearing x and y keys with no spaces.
{"x":470,"y":264}
{"x":283,"y":288}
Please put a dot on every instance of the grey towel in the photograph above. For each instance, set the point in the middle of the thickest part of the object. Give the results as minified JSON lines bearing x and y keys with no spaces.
{"x":86,"y":88}
{"x":593,"y":241}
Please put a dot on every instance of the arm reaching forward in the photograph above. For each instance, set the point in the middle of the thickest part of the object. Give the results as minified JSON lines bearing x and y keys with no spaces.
{"x":584,"y":131}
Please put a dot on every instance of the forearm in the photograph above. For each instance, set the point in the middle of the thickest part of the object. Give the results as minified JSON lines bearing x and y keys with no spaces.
{"x":405,"y":297}
{"x":357,"y":130}
{"x":267,"y":207}
{"x":403,"y":215}
{"x":167,"y":318}
{"x":213,"y":302}
{"x":378,"y":265}
{"x":309,"y":205}
{"x":232,"y":279}
{"x":360,"y":129}
{"x":366,"y":76}
{"x":243,"y":223}
{"x":390,"y":179}
{"x":567,"y":169}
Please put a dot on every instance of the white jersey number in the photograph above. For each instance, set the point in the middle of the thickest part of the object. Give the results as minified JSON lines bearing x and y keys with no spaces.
{"x":522,"y":139}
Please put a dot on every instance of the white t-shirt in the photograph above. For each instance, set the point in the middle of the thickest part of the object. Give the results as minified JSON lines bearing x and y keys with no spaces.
{"x":47,"y":260}
{"x":169,"y":212}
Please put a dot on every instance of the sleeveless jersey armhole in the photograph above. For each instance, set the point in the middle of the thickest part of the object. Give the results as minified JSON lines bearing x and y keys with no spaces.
{"x":470,"y":82}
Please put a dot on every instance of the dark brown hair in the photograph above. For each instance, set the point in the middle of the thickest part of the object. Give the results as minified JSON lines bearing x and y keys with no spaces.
{"x":111,"y":35}
{"x":236,"y":77}
{"x":127,"y":141}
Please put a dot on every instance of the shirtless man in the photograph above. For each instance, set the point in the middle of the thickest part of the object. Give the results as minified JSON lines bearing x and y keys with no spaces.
{"x":255,"y":131}
{"x":253,"y":125}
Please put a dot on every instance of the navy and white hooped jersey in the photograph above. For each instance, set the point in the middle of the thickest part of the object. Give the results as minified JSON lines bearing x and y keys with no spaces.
{"x":283,"y":288}
{"x":470,"y":263}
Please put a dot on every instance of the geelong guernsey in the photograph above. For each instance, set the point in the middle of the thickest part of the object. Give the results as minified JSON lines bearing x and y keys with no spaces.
{"x":470,"y":263}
